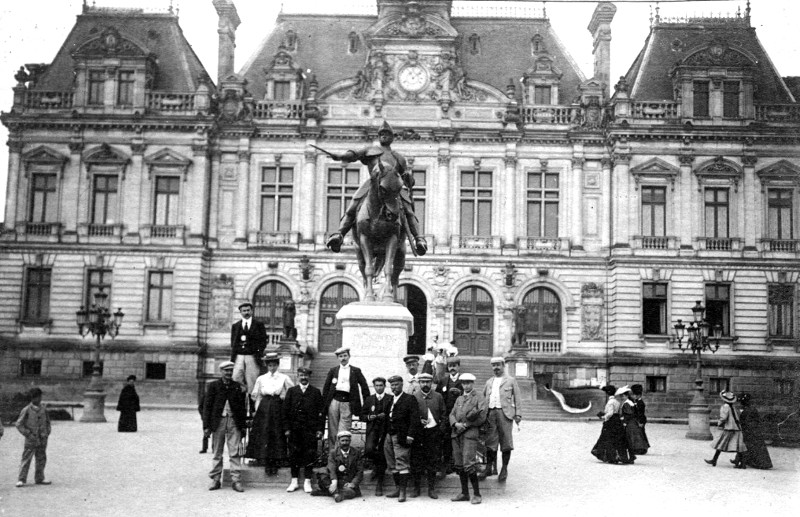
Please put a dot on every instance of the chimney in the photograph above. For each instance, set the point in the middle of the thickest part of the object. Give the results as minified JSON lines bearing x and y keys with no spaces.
{"x":600,"y":28}
{"x":228,"y":22}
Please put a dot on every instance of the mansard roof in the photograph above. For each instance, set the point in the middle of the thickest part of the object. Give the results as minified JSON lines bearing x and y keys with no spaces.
{"x":149,"y":33}
{"x":672,"y":43}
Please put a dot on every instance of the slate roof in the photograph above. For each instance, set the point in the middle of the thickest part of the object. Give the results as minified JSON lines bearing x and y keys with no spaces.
{"x":669,"y":43}
{"x":178,"y":67}
{"x":323,"y":39}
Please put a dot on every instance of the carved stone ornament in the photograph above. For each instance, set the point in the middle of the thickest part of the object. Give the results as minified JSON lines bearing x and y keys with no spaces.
{"x":110,"y":43}
{"x":719,"y":169}
{"x":592,"y":305}
{"x":412,"y":25}
{"x":656,"y":169}
{"x":443,"y":159}
{"x":718,"y":55}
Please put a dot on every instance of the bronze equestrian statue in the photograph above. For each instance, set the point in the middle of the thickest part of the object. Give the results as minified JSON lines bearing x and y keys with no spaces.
{"x":381,"y":214}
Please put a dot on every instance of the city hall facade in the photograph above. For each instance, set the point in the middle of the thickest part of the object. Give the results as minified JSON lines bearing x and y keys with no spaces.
{"x":571,"y":220}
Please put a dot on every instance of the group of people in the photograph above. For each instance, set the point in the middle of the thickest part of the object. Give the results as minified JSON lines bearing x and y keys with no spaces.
{"x":741,"y":433}
{"x":426,"y":426}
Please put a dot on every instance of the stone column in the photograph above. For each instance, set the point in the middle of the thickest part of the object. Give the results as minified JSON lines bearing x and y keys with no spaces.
{"x":621,"y":200}
{"x":13,"y":193}
{"x":510,"y":201}
{"x":306,"y":197}
{"x":750,"y":211}
{"x":199,"y":187}
{"x":441,"y":213}
{"x":213,"y":197}
{"x":605,"y":181}
{"x":687,"y":226}
{"x":76,"y":193}
{"x":145,"y":194}
{"x":132,"y":184}
{"x":576,"y":203}
{"x":243,"y":197}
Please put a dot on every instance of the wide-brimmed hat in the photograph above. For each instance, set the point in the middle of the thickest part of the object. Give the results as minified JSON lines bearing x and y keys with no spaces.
{"x":624,"y":389}
{"x":272,"y":357}
{"x":727,"y":396}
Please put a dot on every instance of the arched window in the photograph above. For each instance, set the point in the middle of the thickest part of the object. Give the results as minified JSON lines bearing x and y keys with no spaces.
{"x":334,"y":298}
{"x":543,"y":314}
{"x":473,"y":329}
{"x":414,"y":299}
{"x":268,"y":307}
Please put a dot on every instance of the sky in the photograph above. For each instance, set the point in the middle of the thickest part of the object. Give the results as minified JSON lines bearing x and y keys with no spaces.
{"x":33,"y":31}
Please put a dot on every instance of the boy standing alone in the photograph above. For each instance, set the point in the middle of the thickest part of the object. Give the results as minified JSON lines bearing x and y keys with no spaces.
{"x":34,"y":424}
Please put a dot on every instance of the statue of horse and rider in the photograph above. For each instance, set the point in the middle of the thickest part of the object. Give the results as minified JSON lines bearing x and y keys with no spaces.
{"x":381,"y":215}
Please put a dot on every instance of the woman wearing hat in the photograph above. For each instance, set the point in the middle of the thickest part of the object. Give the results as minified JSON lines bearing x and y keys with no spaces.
{"x":612,"y":446}
{"x":267,"y":439}
{"x":731,"y":438}
{"x":637,"y":443}
{"x":128,"y":406}
{"x":756,"y":455}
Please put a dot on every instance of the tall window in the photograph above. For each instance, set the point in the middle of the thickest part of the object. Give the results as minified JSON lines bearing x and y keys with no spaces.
{"x":97,"y":86}
{"x":542,"y":192}
{"x":268,"y":305}
{"x":125,"y":81}
{"x":276,"y":198}
{"x":718,"y":306}
{"x":542,"y":95}
{"x":104,"y":199}
{"x":543,"y":314}
{"x":282,"y":90}
{"x":476,"y":203}
{"x":779,"y":213}
{"x":717,"y":209}
{"x":37,"y":294}
{"x":165,"y":211}
{"x":730,"y":99}
{"x":654,"y":308}
{"x":159,"y":296}
{"x":420,"y":191}
{"x":342,"y":184}
{"x":781,"y":310}
{"x":97,"y":279}
{"x":701,"y":98}
{"x":44,"y":198}
{"x":654,"y":208}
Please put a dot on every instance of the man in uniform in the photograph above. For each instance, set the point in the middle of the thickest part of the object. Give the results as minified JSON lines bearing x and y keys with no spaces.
{"x":426,"y":452}
{"x":467,"y":417}
{"x":403,"y":425}
{"x":248,"y":341}
{"x":345,"y":389}
{"x":505,"y":405}
{"x":224,"y":418}
{"x":411,"y":381}
{"x":450,"y":389}
{"x":385,"y":158}
{"x":303,"y":413}
{"x":375,"y":413}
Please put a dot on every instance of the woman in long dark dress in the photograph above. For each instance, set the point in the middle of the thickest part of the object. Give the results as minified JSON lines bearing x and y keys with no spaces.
{"x":267,"y":438}
{"x":611,"y":447}
{"x":128,"y":406}
{"x":640,"y":414}
{"x":756,"y":455}
{"x":633,"y":433}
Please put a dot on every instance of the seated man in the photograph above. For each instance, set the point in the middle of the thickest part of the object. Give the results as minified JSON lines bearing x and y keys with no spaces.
{"x":345,"y":471}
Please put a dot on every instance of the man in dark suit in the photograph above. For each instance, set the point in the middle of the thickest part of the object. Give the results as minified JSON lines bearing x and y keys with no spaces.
{"x":450,"y":389}
{"x":248,"y":341}
{"x":303,"y":412}
{"x":403,"y":425}
{"x":375,"y":413}
{"x":426,"y":452}
{"x":224,"y":417}
{"x":346,"y":469}
{"x":345,"y":388}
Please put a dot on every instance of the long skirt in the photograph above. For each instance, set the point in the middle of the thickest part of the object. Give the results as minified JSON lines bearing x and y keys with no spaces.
{"x":127,"y":422}
{"x":730,"y":441}
{"x":637,"y":441}
{"x":612,"y":446}
{"x":267,"y":441}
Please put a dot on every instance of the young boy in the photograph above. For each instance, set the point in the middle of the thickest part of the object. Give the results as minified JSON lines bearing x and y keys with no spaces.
{"x":34,"y":424}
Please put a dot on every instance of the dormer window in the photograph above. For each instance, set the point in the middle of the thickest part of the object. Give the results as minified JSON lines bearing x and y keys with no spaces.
{"x":96,"y":87}
{"x":730,"y":99}
{"x":282,"y":89}
{"x":701,"y":96}
{"x":352,"y":43}
{"x":542,"y":94}
{"x":125,"y":82}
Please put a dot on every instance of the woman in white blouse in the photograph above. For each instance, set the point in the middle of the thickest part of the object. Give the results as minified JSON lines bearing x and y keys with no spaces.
{"x":612,"y":446}
{"x":267,"y":442}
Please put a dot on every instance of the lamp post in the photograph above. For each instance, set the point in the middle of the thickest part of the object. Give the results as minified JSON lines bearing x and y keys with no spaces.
{"x":698,"y":342}
{"x":98,"y":321}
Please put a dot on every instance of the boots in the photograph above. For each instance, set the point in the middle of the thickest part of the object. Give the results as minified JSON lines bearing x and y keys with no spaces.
{"x":403,"y":487}
{"x":379,"y":484}
{"x":504,"y":471}
{"x":396,"y":491}
{"x":464,"y":495}
{"x":417,"y":482}
{"x":491,"y":464}
{"x":713,"y":461}
{"x":476,"y":491}
{"x":432,"y":485}
{"x":335,"y":241}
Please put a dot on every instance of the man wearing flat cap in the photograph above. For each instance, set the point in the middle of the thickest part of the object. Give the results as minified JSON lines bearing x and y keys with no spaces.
{"x":375,"y":413}
{"x":410,"y":379}
{"x":224,"y":417}
{"x":346,"y":469}
{"x":505,"y":405}
{"x":344,"y":391}
{"x":450,"y":389}
{"x":426,"y":451}
{"x":248,"y":341}
{"x":402,"y":428}
{"x":466,"y":419}
{"x":304,"y":415}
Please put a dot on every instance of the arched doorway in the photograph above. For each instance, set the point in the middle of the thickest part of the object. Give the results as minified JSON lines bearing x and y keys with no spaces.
{"x":543,"y":314}
{"x":333,"y":298}
{"x":473,"y":329}
{"x":268,"y":303}
{"x":414,"y":299}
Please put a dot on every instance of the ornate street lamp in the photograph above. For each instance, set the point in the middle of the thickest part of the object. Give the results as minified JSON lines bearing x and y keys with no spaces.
{"x":698,"y":342}
{"x":98,"y":321}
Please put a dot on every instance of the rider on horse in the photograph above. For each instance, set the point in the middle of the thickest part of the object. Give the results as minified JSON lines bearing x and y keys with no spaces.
{"x":390,"y":160}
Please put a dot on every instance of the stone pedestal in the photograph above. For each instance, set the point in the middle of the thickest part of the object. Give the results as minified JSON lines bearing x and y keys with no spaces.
{"x":93,"y":406}
{"x":377,"y":334}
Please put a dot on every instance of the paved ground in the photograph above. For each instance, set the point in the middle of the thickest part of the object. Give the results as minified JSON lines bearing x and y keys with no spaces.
{"x":158,"y":471}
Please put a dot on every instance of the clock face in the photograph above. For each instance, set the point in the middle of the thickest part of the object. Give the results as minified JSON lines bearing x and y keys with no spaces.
{"x":413,"y":78}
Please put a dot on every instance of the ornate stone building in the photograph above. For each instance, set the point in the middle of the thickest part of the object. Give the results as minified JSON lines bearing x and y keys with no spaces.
{"x":569,"y":228}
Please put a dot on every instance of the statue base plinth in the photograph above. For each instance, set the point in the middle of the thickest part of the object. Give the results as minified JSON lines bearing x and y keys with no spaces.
{"x":377,"y":334}
{"x":93,"y":406}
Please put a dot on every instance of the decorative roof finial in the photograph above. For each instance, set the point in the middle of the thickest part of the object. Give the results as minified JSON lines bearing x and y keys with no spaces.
{"x":658,"y":16}
{"x":544,"y":10}
{"x":747,"y":12}
{"x":170,"y":6}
